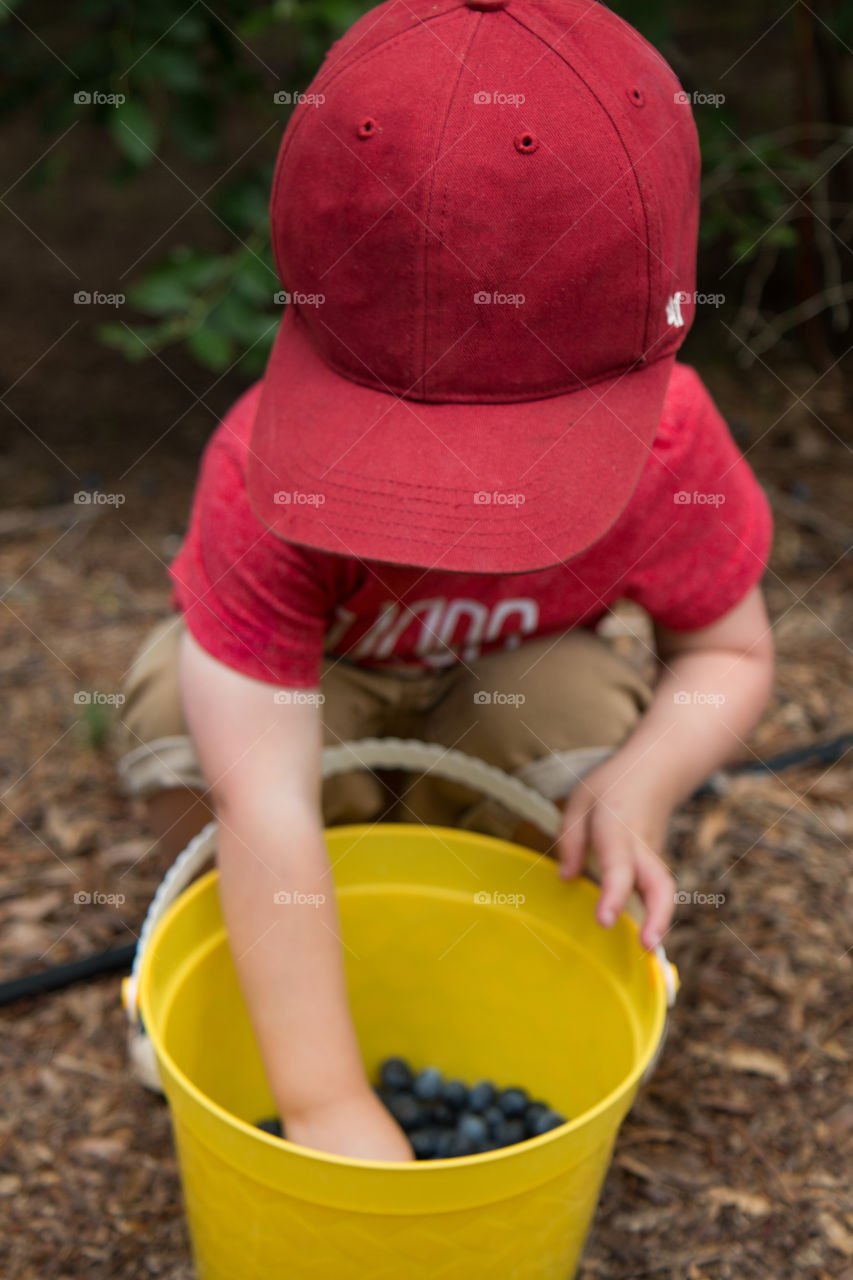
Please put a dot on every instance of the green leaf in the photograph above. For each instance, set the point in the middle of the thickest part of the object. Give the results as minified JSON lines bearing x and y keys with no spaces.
{"x":256,"y":23}
{"x":335,"y":14}
{"x":244,"y":203}
{"x":178,"y":68}
{"x":133,"y":343}
{"x":784,"y":235}
{"x":49,"y":171}
{"x":190,"y":30}
{"x":212,"y":349}
{"x":134,"y":131}
{"x":161,"y":293}
{"x":746,"y":246}
{"x":241,"y":321}
{"x":254,"y":362}
{"x":196,"y":270}
{"x":255,"y":278}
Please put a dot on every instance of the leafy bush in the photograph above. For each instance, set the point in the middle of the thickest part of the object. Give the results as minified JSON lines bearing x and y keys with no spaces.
{"x":184,"y":73}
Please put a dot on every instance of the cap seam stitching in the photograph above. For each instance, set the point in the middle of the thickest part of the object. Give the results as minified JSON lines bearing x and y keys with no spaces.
{"x":319,"y":84}
{"x":634,"y":188}
{"x":439,"y":230}
{"x":608,"y":375}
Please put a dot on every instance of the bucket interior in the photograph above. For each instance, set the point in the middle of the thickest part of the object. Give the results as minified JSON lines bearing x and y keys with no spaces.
{"x":530,"y":993}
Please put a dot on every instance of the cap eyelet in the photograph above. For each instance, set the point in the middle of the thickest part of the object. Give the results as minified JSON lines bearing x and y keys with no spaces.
{"x":367,"y":128}
{"x":527,"y":143}
{"x":636,"y":96}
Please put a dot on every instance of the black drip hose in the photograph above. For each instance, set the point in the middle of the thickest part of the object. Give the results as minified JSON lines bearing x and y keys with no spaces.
{"x":820,"y":753}
{"x":817,"y":753}
{"x":62,"y":975}
{"x":824,"y":753}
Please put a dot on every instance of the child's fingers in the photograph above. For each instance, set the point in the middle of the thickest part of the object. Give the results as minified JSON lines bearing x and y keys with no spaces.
{"x":657,"y":889}
{"x":617,"y":859}
{"x":574,"y":837}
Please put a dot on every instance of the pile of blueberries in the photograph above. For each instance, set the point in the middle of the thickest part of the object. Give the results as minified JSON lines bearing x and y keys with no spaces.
{"x":447,"y":1118}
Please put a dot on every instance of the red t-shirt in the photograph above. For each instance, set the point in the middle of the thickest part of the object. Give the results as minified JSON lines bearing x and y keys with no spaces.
{"x":691,"y":543}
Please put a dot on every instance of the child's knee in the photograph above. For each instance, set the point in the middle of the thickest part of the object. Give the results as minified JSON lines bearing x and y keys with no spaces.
{"x":554,"y":694}
{"x":152,"y":743}
{"x":547,"y":712}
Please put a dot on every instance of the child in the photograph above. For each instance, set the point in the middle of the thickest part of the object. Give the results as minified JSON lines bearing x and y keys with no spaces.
{"x":472,"y":438}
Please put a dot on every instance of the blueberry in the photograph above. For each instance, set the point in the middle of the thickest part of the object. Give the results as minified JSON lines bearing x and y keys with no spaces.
{"x":533,"y":1112}
{"x":481,"y":1096}
{"x":444,"y":1142}
{"x":494,"y":1119}
{"x":428,"y":1084}
{"x":456,"y":1094}
{"x":460,"y":1145}
{"x":442,"y":1116}
{"x":510,"y":1132}
{"x":545,"y":1122}
{"x":424,"y":1143}
{"x":395,"y":1073}
{"x":472,"y":1126}
{"x":406,"y":1110}
{"x":513,"y":1103}
{"x":272,"y":1126}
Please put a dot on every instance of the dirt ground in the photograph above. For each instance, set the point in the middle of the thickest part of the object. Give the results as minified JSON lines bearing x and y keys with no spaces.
{"x":735,"y":1162}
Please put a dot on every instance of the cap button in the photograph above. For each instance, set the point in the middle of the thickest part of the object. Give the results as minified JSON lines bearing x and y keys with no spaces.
{"x":487,"y":4}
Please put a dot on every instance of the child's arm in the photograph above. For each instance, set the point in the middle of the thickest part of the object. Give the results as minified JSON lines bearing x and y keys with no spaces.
{"x":263,"y":758}
{"x":712,"y":689}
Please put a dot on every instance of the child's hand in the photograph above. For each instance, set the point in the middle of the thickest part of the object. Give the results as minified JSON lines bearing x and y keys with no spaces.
{"x":359,"y":1127}
{"x":616,"y":813}
{"x":622,"y":808}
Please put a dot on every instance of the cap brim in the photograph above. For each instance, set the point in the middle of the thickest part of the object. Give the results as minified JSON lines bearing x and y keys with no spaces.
{"x":472,"y":488}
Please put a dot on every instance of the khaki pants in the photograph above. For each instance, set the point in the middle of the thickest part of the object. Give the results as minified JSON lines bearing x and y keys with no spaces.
{"x":547,"y":711}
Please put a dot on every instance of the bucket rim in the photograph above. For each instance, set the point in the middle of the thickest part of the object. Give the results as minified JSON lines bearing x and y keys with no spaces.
{"x":413,"y":1168}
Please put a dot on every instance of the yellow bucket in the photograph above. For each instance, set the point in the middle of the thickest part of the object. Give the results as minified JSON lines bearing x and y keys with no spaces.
{"x":464,"y":952}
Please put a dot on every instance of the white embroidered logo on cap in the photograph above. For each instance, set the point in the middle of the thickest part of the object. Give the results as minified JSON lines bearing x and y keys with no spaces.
{"x":673,"y":311}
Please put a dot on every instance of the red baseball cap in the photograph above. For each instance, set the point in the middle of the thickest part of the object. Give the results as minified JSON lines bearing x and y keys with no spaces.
{"x":484,"y":219}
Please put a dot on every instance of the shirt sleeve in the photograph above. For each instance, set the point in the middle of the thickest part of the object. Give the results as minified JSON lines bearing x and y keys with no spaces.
{"x":256,"y":603}
{"x":708,"y":525}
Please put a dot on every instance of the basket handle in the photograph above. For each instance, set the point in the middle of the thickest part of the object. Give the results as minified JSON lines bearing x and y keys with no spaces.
{"x":375,"y":753}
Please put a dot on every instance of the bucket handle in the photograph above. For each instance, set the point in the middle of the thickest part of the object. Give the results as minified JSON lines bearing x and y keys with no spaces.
{"x":369,"y":753}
